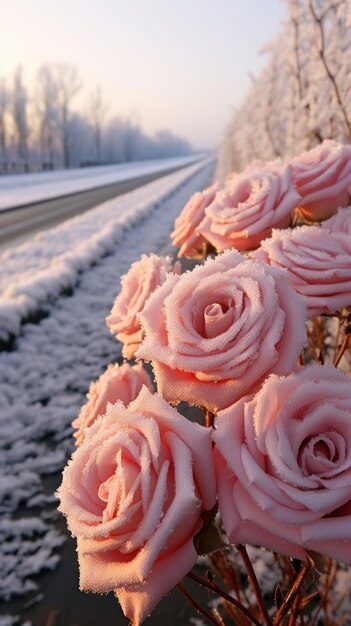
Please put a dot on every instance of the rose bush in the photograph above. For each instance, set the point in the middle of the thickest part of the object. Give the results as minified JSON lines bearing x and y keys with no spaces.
{"x":133,"y":495}
{"x":318,"y":263}
{"x":116,"y":383}
{"x":247,"y":209}
{"x":192,"y":244}
{"x":283,"y":465}
{"x":142,"y":279}
{"x":139,"y":493}
{"x":322,"y":176}
{"x":216,"y":332}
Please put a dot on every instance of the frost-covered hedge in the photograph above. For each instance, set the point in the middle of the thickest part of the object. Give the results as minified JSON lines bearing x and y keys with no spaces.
{"x":304,"y":94}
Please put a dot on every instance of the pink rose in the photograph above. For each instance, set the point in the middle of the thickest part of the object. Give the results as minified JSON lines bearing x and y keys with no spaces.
{"x":133,"y":495}
{"x":116,"y":383}
{"x":255,"y":165}
{"x":192,"y":245}
{"x":318,"y":263}
{"x":340,"y":223}
{"x":322,"y":176}
{"x":245,"y":212}
{"x":215,"y":333}
{"x":142,"y":279}
{"x":283,"y":465}
{"x":275,"y":165}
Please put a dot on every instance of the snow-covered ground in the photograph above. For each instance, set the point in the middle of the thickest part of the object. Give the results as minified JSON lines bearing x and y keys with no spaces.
{"x":27,"y":188}
{"x":46,"y":374}
{"x":52,"y":261}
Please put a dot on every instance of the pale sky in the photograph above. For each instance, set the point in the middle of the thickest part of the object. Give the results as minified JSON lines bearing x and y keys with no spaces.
{"x":176,"y":64}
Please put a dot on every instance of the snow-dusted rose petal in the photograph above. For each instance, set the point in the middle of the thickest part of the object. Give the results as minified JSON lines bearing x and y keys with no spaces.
{"x":260,"y":165}
{"x":340,"y":223}
{"x":283,"y":465}
{"x":247,"y":209}
{"x":322,"y":176}
{"x":133,"y":494}
{"x":193,"y":245}
{"x":318,"y":264}
{"x":142,"y":279}
{"x":216,"y":332}
{"x":116,"y":383}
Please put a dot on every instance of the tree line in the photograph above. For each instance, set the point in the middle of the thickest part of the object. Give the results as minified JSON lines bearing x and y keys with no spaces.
{"x":303,"y":96}
{"x":42,"y":131}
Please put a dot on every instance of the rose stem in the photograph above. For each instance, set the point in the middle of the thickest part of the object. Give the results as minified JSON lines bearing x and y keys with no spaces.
{"x":320,"y":338}
{"x":219,"y":591}
{"x":343,"y":347}
{"x":53,"y":617}
{"x":291,"y":595}
{"x":288,"y":571}
{"x":224,"y":568}
{"x":324,"y":595}
{"x":256,"y":587}
{"x":337,"y":338}
{"x":327,"y":600}
{"x":302,"y":621}
{"x":311,"y":335}
{"x":209,"y":417}
{"x":197,"y":606}
{"x":294,"y":611}
{"x":289,"y":568}
{"x":218,"y":616}
{"x":314,"y":342}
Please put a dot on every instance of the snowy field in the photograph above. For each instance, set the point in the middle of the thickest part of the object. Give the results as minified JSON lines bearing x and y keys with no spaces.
{"x":28,"y":188}
{"x":72,"y":274}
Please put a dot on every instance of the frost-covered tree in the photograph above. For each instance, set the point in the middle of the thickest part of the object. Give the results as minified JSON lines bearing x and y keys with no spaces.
{"x":4,"y":104}
{"x":80,"y":134}
{"x":19,"y":104}
{"x":47,"y":109}
{"x":97,"y":115}
{"x":67,"y":85}
{"x":303,"y":95}
{"x":45,"y":130}
{"x":168,"y":144}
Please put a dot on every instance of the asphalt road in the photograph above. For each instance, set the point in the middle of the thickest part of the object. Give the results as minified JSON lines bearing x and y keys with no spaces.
{"x":21,"y":223}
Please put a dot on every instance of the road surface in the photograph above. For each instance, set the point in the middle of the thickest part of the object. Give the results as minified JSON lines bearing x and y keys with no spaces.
{"x":20,"y":223}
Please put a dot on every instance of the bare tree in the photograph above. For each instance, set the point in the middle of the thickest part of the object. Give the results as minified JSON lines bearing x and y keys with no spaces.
{"x":67,"y":84}
{"x":98,"y":111}
{"x":46,"y":100}
{"x":80,"y":141}
{"x":4,"y":103}
{"x":45,"y":131}
{"x":19,"y":114}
